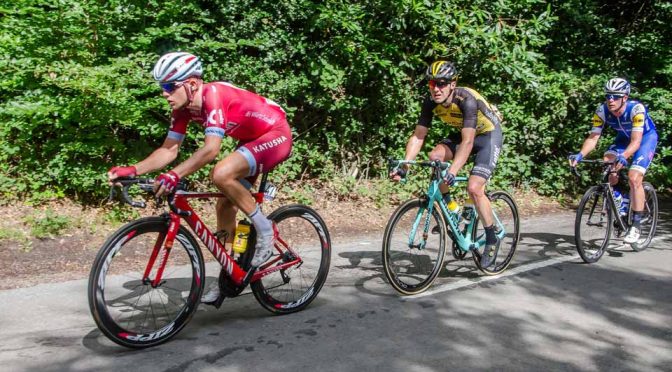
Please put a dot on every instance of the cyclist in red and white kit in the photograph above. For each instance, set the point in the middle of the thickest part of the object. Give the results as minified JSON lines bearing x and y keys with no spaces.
{"x":222,"y":109}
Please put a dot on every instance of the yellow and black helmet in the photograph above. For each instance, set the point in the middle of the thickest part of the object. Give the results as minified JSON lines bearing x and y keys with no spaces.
{"x":443,"y":70}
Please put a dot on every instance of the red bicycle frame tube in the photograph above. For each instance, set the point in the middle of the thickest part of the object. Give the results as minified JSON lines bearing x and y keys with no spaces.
{"x":265,"y":270}
{"x":164,"y":244}
{"x":235,"y":272}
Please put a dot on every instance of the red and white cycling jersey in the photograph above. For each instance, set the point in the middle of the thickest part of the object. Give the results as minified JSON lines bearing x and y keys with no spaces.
{"x":229,"y":111}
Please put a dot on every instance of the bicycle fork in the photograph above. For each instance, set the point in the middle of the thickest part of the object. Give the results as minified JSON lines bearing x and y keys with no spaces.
{"x":425,"y":230}
{"x":162,"y":247}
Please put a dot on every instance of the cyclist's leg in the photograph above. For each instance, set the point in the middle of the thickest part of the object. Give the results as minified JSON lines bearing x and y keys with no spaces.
{"x":226,"y":217}
{"x":641,"y":161}
{"x":225,"y":175}
{"x":617,"y":148}
{"x":250,"y":159}
{"x":226,"y":222}
{"x":444,"y":151}
{"x":487,"y":148}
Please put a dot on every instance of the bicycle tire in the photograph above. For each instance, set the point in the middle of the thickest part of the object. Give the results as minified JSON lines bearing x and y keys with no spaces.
{"x":650,"y":218}
{"x":412,"y":270}
{"x":510,"y":219}
{"x":590,"y":246}
{"x":291,"y":290}
{"x":122,"y":304}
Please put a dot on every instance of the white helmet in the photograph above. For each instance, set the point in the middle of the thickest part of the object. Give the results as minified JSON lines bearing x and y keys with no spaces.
{"x":177,"y":66}
{"x":617,"y":86}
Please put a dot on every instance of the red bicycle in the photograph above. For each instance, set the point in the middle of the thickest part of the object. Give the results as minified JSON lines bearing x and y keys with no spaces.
{"x":146,"y":281}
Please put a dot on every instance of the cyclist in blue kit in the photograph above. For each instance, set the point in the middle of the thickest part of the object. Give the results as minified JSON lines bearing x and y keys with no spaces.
{"x":636,"y":139}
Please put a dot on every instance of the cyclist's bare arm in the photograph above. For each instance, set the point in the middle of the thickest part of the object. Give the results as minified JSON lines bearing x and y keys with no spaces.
{"x":588,"y":146}
{"x":200,"y":157}
{"x":160,"y":157}
{"x":413,"y":147}
{"x":414,"y":144}
{"x":463,"y":150}
{"x":633,"y":146}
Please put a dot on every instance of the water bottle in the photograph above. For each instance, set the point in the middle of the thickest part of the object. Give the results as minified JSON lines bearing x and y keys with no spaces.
{"x":240,"y":236}
{"x":618,"y":198}
{"x":625,"y":204}
{"x":451,"y":204}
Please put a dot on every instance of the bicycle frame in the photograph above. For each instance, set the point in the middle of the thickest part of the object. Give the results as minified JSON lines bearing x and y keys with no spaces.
{"x":433,"y":194}
{"x":608,"y":190}
{"x":180,"y":208}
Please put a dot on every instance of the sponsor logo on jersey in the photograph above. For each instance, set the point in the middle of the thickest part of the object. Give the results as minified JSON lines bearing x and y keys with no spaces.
{"x":215,"y":117}
{"x":269,"y":144}
{"x":258,"y":115}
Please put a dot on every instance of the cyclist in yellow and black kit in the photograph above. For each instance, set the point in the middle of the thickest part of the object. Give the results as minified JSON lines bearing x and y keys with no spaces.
{"x":480,"y":135}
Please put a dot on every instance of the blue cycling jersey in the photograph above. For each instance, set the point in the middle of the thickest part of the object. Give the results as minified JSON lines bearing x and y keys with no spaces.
{"x":635,"y":118}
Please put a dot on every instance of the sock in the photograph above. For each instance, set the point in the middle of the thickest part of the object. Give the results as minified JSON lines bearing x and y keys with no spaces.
{"x":637,"y":219}
{"x":260,"y":222}
{"x":490,"y":237}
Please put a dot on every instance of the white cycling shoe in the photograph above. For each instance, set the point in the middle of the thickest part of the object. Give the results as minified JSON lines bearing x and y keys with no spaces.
{"x":263,"y":250}
{"x":632,"y":236}
{"x":212,"y":295}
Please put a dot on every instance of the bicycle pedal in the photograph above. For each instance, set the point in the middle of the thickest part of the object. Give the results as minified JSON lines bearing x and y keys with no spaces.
{"x":216,"y":303}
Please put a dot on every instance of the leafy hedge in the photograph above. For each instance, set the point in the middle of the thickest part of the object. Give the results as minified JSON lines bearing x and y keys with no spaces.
{"x":77,"y":97}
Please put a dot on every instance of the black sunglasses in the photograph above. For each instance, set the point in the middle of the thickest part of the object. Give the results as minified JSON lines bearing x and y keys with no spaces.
{"x":438,"y":83}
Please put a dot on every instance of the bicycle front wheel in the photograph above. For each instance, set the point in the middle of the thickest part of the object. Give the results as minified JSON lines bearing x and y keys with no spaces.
{"x":505,"y":213}
{"x":413,"y":253}
{"x":592,"y":227}
{"x":302,"y":234}
{"x":649,"y":218}
{"x":131,"y":311}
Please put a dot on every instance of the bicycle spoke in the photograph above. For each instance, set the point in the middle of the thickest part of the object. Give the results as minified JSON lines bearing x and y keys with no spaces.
{"x":128,"y":305}
{"x":409,"y":268}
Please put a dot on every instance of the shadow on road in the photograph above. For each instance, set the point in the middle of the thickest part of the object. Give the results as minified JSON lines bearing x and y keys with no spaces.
{"x":610,"y":319}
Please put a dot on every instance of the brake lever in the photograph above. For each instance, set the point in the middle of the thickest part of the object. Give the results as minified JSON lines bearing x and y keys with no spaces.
{"x":575,"y":172}
{"x":127,"y":198}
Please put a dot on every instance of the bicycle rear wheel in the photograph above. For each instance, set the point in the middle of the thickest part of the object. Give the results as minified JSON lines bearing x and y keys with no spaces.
{"x":412,"y":254}
{"x":649,"y":219}
{"x":592,"y":227}
{"x":130,"y":311}
{"x":506,"y":216}
{"x":302,"y":233}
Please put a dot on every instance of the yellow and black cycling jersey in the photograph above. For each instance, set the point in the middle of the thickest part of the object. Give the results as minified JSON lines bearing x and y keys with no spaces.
{"x":468,"y":109}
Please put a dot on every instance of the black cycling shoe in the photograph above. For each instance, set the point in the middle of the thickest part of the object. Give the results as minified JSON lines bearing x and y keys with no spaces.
{"x":489,"y":254}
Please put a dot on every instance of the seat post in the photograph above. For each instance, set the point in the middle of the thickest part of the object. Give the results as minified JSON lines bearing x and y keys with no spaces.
{"x":262,"y":185}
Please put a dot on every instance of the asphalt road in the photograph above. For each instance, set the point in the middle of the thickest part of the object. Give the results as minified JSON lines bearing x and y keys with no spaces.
{"x":549,"y":311}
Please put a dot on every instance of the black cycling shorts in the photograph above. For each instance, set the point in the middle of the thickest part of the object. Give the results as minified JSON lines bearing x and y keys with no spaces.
{"x":487,"y":147}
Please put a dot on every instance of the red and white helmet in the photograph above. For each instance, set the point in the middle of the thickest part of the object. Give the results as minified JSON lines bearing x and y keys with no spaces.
{"x":177,"y":66}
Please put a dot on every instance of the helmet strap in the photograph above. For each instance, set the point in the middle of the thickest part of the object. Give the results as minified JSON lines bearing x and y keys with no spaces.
{"x":622,"y":103}
{"x":190,"y":95}
{"x":449,"y":98}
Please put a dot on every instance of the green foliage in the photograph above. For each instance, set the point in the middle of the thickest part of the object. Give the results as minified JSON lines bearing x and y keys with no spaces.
{"x":77,"y":97}
{"x":303,"y":195}
{"x":119,"y":214}
{"x":47,"y":225}
{"x":18,"y":236}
